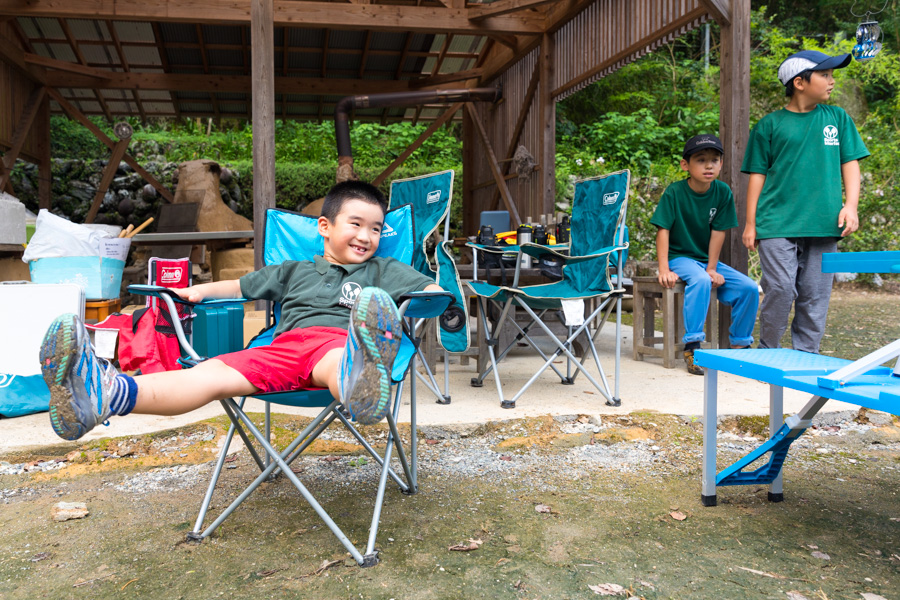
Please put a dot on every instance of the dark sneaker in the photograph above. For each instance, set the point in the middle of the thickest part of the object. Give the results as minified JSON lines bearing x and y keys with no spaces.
{"x":79,"y":381}
{"x":689,"y":363}
{"x":372,"y":344}
{"x":736,"y":347}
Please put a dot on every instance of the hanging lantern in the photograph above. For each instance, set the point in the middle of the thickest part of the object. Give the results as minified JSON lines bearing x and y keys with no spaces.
{"x":868,"y":35}
{"x":868,"y":41}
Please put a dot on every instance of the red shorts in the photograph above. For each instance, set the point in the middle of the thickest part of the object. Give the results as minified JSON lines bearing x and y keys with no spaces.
{"x":287,"y":363}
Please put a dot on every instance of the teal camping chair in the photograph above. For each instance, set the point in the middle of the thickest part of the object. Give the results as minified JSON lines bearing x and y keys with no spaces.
{"x":294,"y":236}
{"x":430,"y":197}
{"x":598,"y":242}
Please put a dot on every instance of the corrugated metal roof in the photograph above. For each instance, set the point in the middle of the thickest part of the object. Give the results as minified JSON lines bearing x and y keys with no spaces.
{"x":99,"y":55}
{"x":83,"y":29}
{"x":131,"y":31}
{"x":142,"y":55}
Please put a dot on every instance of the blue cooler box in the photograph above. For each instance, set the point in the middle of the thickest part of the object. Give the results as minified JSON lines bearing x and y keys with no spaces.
{"x":100,"y":277}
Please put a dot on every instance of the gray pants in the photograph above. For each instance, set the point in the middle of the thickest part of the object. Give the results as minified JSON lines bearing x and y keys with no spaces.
{"x":792,"y":274}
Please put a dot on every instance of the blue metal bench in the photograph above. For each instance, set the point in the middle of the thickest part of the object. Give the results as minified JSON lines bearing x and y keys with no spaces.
{"x":862,"y":382}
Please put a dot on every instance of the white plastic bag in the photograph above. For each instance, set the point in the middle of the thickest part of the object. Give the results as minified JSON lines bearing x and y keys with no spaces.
{"x":56,"y":237}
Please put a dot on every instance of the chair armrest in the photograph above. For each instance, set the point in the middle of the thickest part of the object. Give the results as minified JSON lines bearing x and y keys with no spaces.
{"x":158,"y":291}
{"x":424,"y":305}
{"x":537,"y":251}
{"x":493,"y":249}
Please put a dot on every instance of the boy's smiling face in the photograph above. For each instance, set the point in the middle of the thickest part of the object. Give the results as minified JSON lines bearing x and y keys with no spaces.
{"x":353,"y":237}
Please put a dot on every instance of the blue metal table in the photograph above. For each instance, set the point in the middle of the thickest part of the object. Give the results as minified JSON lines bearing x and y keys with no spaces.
{"x":862,"y":382}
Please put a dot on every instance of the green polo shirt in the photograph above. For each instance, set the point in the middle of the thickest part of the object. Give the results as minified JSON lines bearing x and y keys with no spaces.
{"x":691,"y":217}
{"x":801,"y":156}
{"x":320,"y":293}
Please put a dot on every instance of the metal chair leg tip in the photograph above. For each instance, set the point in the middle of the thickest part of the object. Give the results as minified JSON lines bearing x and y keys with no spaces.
{"x":507,"y":404}
{"x":614,"y":402}
{"x":708,"y":500}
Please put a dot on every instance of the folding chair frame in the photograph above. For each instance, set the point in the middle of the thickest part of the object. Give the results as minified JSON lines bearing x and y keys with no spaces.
{"x":275,"y":462}
{"x":517,"y":298}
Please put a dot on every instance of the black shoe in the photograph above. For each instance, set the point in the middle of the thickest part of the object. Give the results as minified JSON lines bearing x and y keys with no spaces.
{"x":689,"y":363}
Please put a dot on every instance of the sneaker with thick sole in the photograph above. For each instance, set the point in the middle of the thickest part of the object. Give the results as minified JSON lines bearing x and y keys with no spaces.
{"x":79,"y":381}
{"x":372,"y":344}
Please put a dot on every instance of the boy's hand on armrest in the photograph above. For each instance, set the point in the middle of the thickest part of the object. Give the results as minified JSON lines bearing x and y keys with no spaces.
{"x":849,"y":220}
{"x":189,"y":293}
{"x":716,"y":277}
{"x":667,"y":278}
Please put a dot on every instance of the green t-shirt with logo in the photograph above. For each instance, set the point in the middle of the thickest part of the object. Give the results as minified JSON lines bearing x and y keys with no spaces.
{"x":320,"y":293}
{"x":801,"y":156}
{"x":691,"y":217}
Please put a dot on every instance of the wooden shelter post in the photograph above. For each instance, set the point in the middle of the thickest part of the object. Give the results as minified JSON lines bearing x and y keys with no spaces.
{"x":547,"y":115}
{"x":45,"y":174}
{"x":734,"y":128}
{"x":262,"y":40}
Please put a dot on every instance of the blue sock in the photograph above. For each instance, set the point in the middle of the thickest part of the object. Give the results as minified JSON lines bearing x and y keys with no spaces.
{"x":122,"y":395}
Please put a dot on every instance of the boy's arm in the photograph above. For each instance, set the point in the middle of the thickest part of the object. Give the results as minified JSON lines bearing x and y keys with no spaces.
{"x":848,"y":218}
{"x":215,"y":290}
{"x":716,"y":240}
{"x":754,"y":189}
{"x":666,"y":278}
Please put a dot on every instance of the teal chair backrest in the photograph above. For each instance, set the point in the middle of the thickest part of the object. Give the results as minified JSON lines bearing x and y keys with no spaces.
{"x":598,"y":222}
{"x":429,"y":196}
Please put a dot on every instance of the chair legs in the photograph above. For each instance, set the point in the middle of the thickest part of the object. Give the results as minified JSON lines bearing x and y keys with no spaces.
{"x":563,"y":347}
{"x":279,"y":462}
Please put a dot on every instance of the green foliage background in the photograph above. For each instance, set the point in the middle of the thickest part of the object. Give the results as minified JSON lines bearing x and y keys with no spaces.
{"x":637,"y":118}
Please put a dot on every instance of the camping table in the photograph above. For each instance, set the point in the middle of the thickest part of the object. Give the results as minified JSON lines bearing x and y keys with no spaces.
{"x":862,"y":382}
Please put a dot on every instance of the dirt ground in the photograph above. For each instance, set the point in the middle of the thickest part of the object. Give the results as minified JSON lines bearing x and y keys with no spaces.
{"x":553,"y":506}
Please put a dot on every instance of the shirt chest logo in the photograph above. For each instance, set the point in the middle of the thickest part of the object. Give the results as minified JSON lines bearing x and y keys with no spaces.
{"x":349,"y":293}
{"x":831,"y":136}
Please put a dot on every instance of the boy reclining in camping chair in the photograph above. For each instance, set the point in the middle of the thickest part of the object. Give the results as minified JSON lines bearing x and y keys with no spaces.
{"x":312,"y":346}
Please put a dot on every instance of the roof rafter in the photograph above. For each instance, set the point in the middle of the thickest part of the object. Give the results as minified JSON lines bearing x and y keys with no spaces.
{"x":295,"y":13}
{"x":504,"y":7}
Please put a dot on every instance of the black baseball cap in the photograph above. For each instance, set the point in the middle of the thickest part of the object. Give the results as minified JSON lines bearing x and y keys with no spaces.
{"x":704,"y":141}
{"x":809,"y":60}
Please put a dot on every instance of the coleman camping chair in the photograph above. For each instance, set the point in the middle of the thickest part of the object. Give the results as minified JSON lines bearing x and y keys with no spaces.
{"x":598,"y":242}
{"x":430,"y":197}
{"x":294,"y":236}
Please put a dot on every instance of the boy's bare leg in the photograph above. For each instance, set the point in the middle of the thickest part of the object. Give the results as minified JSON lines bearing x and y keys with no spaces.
{"x":178,"y":392}
{"x":325,"y":373}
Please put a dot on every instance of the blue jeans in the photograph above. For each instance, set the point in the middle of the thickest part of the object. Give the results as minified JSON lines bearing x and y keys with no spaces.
{"x":739,"y":292}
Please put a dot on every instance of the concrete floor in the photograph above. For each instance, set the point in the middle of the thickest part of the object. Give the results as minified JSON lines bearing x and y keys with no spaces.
{"x":645,"y":386}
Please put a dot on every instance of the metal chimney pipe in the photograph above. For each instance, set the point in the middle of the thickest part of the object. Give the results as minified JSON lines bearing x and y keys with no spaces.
{"x":346,"y":104}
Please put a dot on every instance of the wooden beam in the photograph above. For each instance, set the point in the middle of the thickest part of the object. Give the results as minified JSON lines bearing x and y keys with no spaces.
{"x":734,"y":129}
{"x":77,"y":115}
{"x":437,"y":124}
{"x":262,"y":56}
{"x":492,"y":163}
{"x":64,"y":65}
{"x":504,"y":7}
{"x":29,"y":112}
{"x":720,"y":10}
{"x":15,"y":56}
{"x":520,"y":124}
{"x":109,"y":172}
{"x":287,"y":13}
{"x":224,"y":83}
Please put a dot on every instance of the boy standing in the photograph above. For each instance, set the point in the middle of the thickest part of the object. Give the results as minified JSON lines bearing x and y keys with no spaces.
{"x":312,"y":347}
{"x":691,"y":219}
{"x":797,"y":158}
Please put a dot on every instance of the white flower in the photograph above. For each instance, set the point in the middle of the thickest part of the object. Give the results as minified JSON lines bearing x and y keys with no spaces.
{"x":601,"y":160}
{"x":869,"y":138}
{"x":578,"y":161}
{"x":879,"y":193}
